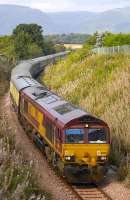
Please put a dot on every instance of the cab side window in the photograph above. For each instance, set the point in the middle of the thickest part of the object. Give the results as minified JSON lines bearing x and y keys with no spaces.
{"x":58,"y":135}
{"x":49,"y":130}
{"x":25,"y":106}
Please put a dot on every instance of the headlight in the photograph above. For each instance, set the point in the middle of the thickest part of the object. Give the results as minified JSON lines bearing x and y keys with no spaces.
{"x":70,"y":158}
{"x":103,"y":158}
{"x":67,"y":158}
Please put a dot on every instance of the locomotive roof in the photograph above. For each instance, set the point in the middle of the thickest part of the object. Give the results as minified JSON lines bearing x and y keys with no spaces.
{"x":55,"y":105}
{"x":22,"y":82}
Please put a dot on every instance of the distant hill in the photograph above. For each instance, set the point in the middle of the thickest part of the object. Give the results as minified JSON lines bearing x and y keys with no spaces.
{"x":117,"y":20}
{"x":11,"y":15}
{"x":71,"y":22}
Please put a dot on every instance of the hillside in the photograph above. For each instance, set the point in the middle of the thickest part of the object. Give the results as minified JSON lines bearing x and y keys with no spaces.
{"x":11,"y":16}
{"x":117,"y":20}
{"x":100,"y":85}
{"x":72,"y":22}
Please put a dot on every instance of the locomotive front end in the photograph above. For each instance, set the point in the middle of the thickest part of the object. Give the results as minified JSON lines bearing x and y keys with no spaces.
{"x":86,"y":150}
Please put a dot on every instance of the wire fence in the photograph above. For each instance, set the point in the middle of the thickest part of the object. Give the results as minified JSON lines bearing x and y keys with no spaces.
{"x":113,"y":50}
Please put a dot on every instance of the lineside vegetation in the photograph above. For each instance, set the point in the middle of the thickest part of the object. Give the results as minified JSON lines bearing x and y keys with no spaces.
{"x":99,"y":84}
{"x":17,"y":178}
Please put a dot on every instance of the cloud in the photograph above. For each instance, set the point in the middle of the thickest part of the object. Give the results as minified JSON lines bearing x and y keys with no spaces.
{"x":70,"y":5}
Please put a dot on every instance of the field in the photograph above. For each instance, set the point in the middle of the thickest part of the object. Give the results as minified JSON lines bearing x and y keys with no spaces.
{"x":73,"y":46}
{"x":100,"y":84}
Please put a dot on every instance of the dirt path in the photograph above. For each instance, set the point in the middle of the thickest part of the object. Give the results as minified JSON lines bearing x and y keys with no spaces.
{"x":46,"y":176}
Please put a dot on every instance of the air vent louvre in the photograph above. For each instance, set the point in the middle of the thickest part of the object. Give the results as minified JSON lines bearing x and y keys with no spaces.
{"x":40,"y":95}
{"x":65,"y":108}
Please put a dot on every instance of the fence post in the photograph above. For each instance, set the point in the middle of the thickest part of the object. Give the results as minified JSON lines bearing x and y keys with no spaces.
{"x":118,"y":49}
{"x":113,"y":50}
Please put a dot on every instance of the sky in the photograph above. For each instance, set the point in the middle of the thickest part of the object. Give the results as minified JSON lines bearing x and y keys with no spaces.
{"x":70,"y":5}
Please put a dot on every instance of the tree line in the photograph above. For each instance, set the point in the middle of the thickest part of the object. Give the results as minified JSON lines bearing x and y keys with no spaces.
{"x":27,"y":41}
{"x":110,"y":39}
{"x":72,"y":38}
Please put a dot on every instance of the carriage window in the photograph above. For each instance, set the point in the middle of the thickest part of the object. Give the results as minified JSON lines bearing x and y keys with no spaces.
{"x":97,"y":135}
{"x":25,"y":106}
{"x":74,"y":136}
{"x":49,"y":131}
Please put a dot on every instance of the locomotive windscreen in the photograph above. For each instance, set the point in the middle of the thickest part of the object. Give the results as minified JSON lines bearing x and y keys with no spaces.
{"x":74,"y":136}
{"x":97,"y":135}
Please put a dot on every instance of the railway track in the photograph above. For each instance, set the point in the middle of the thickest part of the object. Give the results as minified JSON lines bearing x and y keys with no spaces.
{"x":81,"y":192}
{"x":90,"y":192}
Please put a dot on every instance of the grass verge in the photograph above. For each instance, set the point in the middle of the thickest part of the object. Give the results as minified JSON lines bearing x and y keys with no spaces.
{"x":100,"y":84}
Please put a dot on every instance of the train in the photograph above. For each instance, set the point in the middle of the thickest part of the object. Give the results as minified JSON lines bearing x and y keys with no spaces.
{"x":74,"y":141}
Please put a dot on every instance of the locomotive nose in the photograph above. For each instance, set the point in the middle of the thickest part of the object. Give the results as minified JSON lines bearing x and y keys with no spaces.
{"x":90,"y":155}
{"x":90,"y":160}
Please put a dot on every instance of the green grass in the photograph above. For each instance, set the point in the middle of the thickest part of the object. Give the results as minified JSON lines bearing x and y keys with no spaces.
{"x":100,"y":84}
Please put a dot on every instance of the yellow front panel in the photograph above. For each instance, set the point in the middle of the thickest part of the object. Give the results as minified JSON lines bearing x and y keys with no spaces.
{"x":86,"y":153}
{"x":15,"y":93}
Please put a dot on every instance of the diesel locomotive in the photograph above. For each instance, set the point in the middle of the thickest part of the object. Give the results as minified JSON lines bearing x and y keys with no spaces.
{"x":74,"y":141}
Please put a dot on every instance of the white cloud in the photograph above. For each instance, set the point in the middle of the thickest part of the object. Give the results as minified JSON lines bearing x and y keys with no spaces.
{"x":66,"y":5}
{"x":53,"y":5}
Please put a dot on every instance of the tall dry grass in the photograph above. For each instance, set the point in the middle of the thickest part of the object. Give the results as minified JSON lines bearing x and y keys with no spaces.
{"x":100,"y":85}
{"x":17,"y":178}
{"x":5,"y":70}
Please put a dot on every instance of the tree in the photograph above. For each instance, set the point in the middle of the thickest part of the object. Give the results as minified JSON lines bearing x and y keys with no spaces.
{"x":34,"y":50}
{"x":120,"y":39}
{"x":33,"y":30}
{"x":92,"y":40}
{"x":21,"y":43}
{"x":28,"y":41}
{"x":49,"y":47}
{"x":7,"y":47}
